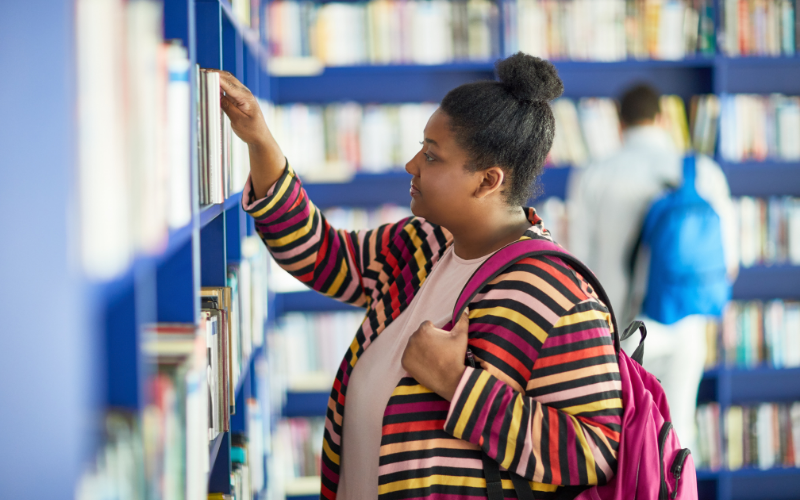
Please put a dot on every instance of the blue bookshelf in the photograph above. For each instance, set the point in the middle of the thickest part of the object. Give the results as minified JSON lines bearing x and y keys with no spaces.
{"x":85,"y":341}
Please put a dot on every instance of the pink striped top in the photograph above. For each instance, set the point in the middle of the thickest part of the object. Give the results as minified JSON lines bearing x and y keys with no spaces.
{"x":378,"y":372}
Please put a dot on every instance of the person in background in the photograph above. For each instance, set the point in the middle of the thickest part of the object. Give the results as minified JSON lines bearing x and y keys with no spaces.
{"x":606,"y":205}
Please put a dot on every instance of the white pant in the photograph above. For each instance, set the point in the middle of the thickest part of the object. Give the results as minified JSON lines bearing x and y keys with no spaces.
{"x":676,"y":354}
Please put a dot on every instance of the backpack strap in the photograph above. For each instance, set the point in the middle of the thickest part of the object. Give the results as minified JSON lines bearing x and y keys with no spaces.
{"x":513,"y":253}
{"x":689,"y":170}
{"x":489,"y":270}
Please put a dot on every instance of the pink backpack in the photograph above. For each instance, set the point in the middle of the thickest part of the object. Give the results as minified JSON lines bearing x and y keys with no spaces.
{"x":651,"y":465}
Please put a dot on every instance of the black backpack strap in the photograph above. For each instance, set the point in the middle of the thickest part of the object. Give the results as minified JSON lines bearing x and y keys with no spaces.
{"x":494,"y":485}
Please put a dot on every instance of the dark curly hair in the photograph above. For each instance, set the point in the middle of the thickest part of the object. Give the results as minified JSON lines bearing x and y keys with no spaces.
{"x":508,"y":122}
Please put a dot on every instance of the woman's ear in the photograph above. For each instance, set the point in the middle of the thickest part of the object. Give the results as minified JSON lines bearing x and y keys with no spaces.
{"x":491,"y":181}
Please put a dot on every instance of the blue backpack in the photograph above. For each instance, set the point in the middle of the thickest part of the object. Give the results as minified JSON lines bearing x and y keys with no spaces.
{"x":687,"y":273}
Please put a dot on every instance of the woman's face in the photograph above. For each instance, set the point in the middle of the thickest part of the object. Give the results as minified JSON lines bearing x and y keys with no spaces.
{"x":442,"y":188}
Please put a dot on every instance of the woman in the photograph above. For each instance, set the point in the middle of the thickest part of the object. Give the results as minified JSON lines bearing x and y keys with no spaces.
{"x":545,"y":401}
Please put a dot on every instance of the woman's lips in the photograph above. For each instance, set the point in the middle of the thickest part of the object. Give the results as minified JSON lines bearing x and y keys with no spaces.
{"x":414,"y":191}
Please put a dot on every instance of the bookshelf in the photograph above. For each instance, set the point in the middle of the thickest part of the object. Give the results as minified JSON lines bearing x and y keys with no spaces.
{"x":91,"y":328}
{"x":76,"y":340}
{"x":718,"y":74}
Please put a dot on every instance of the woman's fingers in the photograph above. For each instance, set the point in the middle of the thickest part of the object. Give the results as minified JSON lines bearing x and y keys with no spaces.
{"x":231,"y":108}
{"x":232,"y":87}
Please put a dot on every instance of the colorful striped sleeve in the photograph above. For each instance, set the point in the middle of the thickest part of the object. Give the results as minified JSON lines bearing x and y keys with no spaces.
{"x":300,"y":239}
{"x":564,"y":429}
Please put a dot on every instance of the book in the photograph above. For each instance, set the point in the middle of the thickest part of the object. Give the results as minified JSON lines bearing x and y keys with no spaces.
{"x":769,"y":230}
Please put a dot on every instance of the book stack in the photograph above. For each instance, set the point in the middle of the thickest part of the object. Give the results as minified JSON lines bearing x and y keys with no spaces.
{"x":759,"y":27}
{"x":704,"y":123}
{"x":763,"y":436}
{"x":336,"y":141}
{"x":589,"y":129}
{"x":611,"y":30}
{"x":215,"y":326}
{"x":307,"y":349}
{"x":118,"y":468}
{"x":223,"y":159}
{"x":385,"y":31}
{"x":133,"y":129}
{"x":248,"y":12}
{"x":708,"y":454}
{"x":769,"y":230}
{"x":175,"y":420}
{"x":756,"y":334}
{"x":297,"y":447}
{"x":755,"y":127}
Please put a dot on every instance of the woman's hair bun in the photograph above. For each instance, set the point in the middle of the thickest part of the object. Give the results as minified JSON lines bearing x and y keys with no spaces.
{"x":529,"y":78}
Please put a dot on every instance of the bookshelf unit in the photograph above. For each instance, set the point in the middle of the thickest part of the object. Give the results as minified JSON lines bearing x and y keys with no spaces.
{"x":76,"y":342}
{"x":719,"y":74}
{"x":91,"y":328}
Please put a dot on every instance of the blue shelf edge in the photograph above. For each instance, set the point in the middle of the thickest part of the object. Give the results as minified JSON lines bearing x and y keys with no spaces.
{"x":308,"y":301}
{"x":747,"y":473}
{"x":489,"y":66}
{"x":762,"y":178}
{"x":777,"y":281}
{"x":305,"y":404}
{"x":758,"y":370}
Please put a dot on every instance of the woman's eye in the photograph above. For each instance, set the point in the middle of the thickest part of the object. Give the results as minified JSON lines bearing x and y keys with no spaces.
{"x":428,"y":157}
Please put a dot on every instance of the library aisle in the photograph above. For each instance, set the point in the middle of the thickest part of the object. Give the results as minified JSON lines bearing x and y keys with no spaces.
{"x":153,"y":349}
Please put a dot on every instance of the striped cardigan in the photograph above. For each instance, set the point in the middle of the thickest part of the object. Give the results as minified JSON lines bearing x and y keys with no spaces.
{"x":546,"y":402}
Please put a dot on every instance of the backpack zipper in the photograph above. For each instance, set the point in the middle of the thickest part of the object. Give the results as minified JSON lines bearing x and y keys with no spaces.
{"x":677,"y":468}
{"x":663,"y":493}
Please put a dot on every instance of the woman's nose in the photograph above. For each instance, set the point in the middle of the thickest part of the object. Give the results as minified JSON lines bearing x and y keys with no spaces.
{"x":410,"y":166}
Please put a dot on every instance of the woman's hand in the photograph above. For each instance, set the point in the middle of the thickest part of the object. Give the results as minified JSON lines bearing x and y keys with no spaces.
{"x":435,"y":357}
{"x":266,"y":159}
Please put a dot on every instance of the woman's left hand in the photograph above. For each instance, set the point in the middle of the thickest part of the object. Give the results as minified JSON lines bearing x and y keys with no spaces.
{"x":435,"y":357}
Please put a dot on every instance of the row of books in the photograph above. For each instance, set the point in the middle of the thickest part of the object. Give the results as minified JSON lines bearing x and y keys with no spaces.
{"x":589,"y":129}
{"x":759,"y":27}
{"x":298,"y":445}
{"x":335,"y":141}
{"x":755,"y":127}
{"x":763,"y":436}
{"x":611,"y":30}
{"x":769,"y":230}
{"x":133,"y":100}
{"x":385,"y":31}
{"x":307,"y":349}
{"x":756,"y":333}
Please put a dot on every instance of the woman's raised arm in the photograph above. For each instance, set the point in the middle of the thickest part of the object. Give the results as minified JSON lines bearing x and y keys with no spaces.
{"x":266,"y":158}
